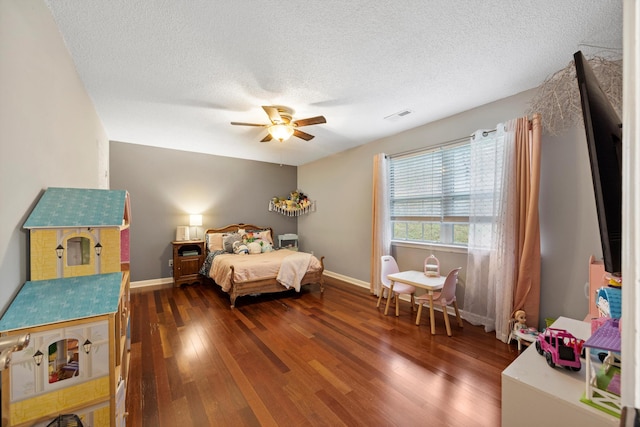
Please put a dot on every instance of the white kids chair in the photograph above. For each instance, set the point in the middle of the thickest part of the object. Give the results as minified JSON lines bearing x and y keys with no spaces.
{"x":389,"y":266}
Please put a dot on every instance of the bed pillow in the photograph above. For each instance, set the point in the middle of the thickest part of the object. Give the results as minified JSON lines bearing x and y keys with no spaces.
{"x":264,"y":235}
{"x":228,"y":241}
{"x":214,"y":242}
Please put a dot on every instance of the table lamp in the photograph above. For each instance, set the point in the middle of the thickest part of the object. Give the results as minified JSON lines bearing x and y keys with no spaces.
{"x":195,"y":221}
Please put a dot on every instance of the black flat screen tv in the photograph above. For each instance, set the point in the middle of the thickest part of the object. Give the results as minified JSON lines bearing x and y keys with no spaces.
{"x":604,"y":141}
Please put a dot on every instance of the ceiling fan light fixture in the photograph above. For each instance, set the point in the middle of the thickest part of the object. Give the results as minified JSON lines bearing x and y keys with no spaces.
{"x":282,"y":127}
{"x":281,"y":132}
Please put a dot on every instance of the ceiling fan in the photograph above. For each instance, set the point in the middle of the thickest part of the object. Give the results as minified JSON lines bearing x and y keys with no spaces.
{"x":282,"y":127}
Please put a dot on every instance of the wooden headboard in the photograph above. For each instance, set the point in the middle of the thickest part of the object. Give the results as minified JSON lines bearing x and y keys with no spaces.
{"x":231,"y":228}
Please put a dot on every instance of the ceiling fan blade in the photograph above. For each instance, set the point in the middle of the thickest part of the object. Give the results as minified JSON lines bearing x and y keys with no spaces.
{"x":273,"y":113}
{"x":302,"y":135}
{"x":310,"y":121}
{"x":247,"y":124}
{"x":267,"y":138}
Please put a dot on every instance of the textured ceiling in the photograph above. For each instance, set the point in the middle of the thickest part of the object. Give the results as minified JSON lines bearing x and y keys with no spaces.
{"x":174,"y":73}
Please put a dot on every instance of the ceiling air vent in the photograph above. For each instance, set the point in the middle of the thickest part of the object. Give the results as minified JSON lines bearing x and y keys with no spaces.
{"x":397,"y":116}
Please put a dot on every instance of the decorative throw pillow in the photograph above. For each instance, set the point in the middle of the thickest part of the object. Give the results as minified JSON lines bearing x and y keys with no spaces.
{"x":228,"y":241}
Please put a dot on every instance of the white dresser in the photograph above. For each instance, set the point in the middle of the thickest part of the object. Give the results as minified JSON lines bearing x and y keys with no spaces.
{"x":534,"y":394}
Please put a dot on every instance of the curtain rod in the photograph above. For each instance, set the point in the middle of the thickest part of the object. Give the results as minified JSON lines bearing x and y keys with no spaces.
{"x":442,"y":144}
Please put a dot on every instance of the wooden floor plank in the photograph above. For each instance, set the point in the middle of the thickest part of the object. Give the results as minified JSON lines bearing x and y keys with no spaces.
{"x":312,"y":358}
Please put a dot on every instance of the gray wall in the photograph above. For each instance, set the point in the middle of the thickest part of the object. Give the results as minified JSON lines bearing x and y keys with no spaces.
{"x":341,"y":227}
{"x":167,"y":185}
{"x":50,"y":134}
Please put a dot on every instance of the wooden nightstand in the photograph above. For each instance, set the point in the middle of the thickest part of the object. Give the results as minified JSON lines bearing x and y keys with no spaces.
{"x":188,"y":257}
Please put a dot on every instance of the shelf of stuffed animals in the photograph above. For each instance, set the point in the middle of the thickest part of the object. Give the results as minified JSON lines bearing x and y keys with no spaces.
{"x":290,"y":209}
{"x":296,"y":204}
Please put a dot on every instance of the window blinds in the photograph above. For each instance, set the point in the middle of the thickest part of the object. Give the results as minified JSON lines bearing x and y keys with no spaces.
{"x":432,"y":185}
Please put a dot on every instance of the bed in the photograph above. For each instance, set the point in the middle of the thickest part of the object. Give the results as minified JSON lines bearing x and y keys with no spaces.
{"x":262,"y":271}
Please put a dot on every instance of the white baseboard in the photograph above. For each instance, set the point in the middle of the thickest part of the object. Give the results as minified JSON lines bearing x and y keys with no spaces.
{"x":153,"y":282}
{"x":169,"y":280}
{"x":361,"y":283}
{"x":347,"y":279}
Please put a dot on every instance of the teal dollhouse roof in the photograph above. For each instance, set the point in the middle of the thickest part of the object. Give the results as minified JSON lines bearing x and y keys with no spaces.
{"x":79,"y":207}
{"x":43,"y":302}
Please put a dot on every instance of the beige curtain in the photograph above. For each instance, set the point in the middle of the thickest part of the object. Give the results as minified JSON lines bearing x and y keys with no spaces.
{"x":526,"y":293}
{"x":380,"y":222}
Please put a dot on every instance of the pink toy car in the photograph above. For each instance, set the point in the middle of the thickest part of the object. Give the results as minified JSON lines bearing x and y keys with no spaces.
{"x":560,"y":348}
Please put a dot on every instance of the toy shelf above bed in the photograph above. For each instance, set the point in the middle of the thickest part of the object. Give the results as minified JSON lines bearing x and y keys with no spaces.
{"x":295,"y":204}
{"x":291,"y":210}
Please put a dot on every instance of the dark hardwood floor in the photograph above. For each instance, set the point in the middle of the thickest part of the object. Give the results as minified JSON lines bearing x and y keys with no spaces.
{"x":316,"y":359}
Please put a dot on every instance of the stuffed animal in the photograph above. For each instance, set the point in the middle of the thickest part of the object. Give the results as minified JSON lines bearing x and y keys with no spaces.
{"x":266,"y":247}
{"x":240,"y":248}
{"x":254,"y":248}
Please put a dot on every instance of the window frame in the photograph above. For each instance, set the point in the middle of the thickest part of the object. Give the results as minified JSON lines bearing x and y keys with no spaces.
{"x":442,"y":198}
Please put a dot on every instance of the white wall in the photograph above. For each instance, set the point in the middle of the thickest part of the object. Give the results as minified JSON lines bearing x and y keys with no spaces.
{"x":340,"y":228}
{"x":631,"y":208}
{"x":568,"y":224}
{"x":50,"y":133}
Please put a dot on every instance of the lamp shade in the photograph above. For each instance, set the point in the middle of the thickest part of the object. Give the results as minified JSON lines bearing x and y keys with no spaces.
{"x":195,"y":220}
{"x":281,"y":132}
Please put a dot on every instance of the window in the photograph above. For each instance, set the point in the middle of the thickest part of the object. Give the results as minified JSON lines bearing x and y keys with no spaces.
{"x":429,"y":195}
{"x":79,"y":251}
{"x":63,"y":360}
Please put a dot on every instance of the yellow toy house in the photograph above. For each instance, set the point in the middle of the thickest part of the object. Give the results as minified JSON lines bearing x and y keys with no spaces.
{"x":79,"y":232}
{"x":76,"y":310}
